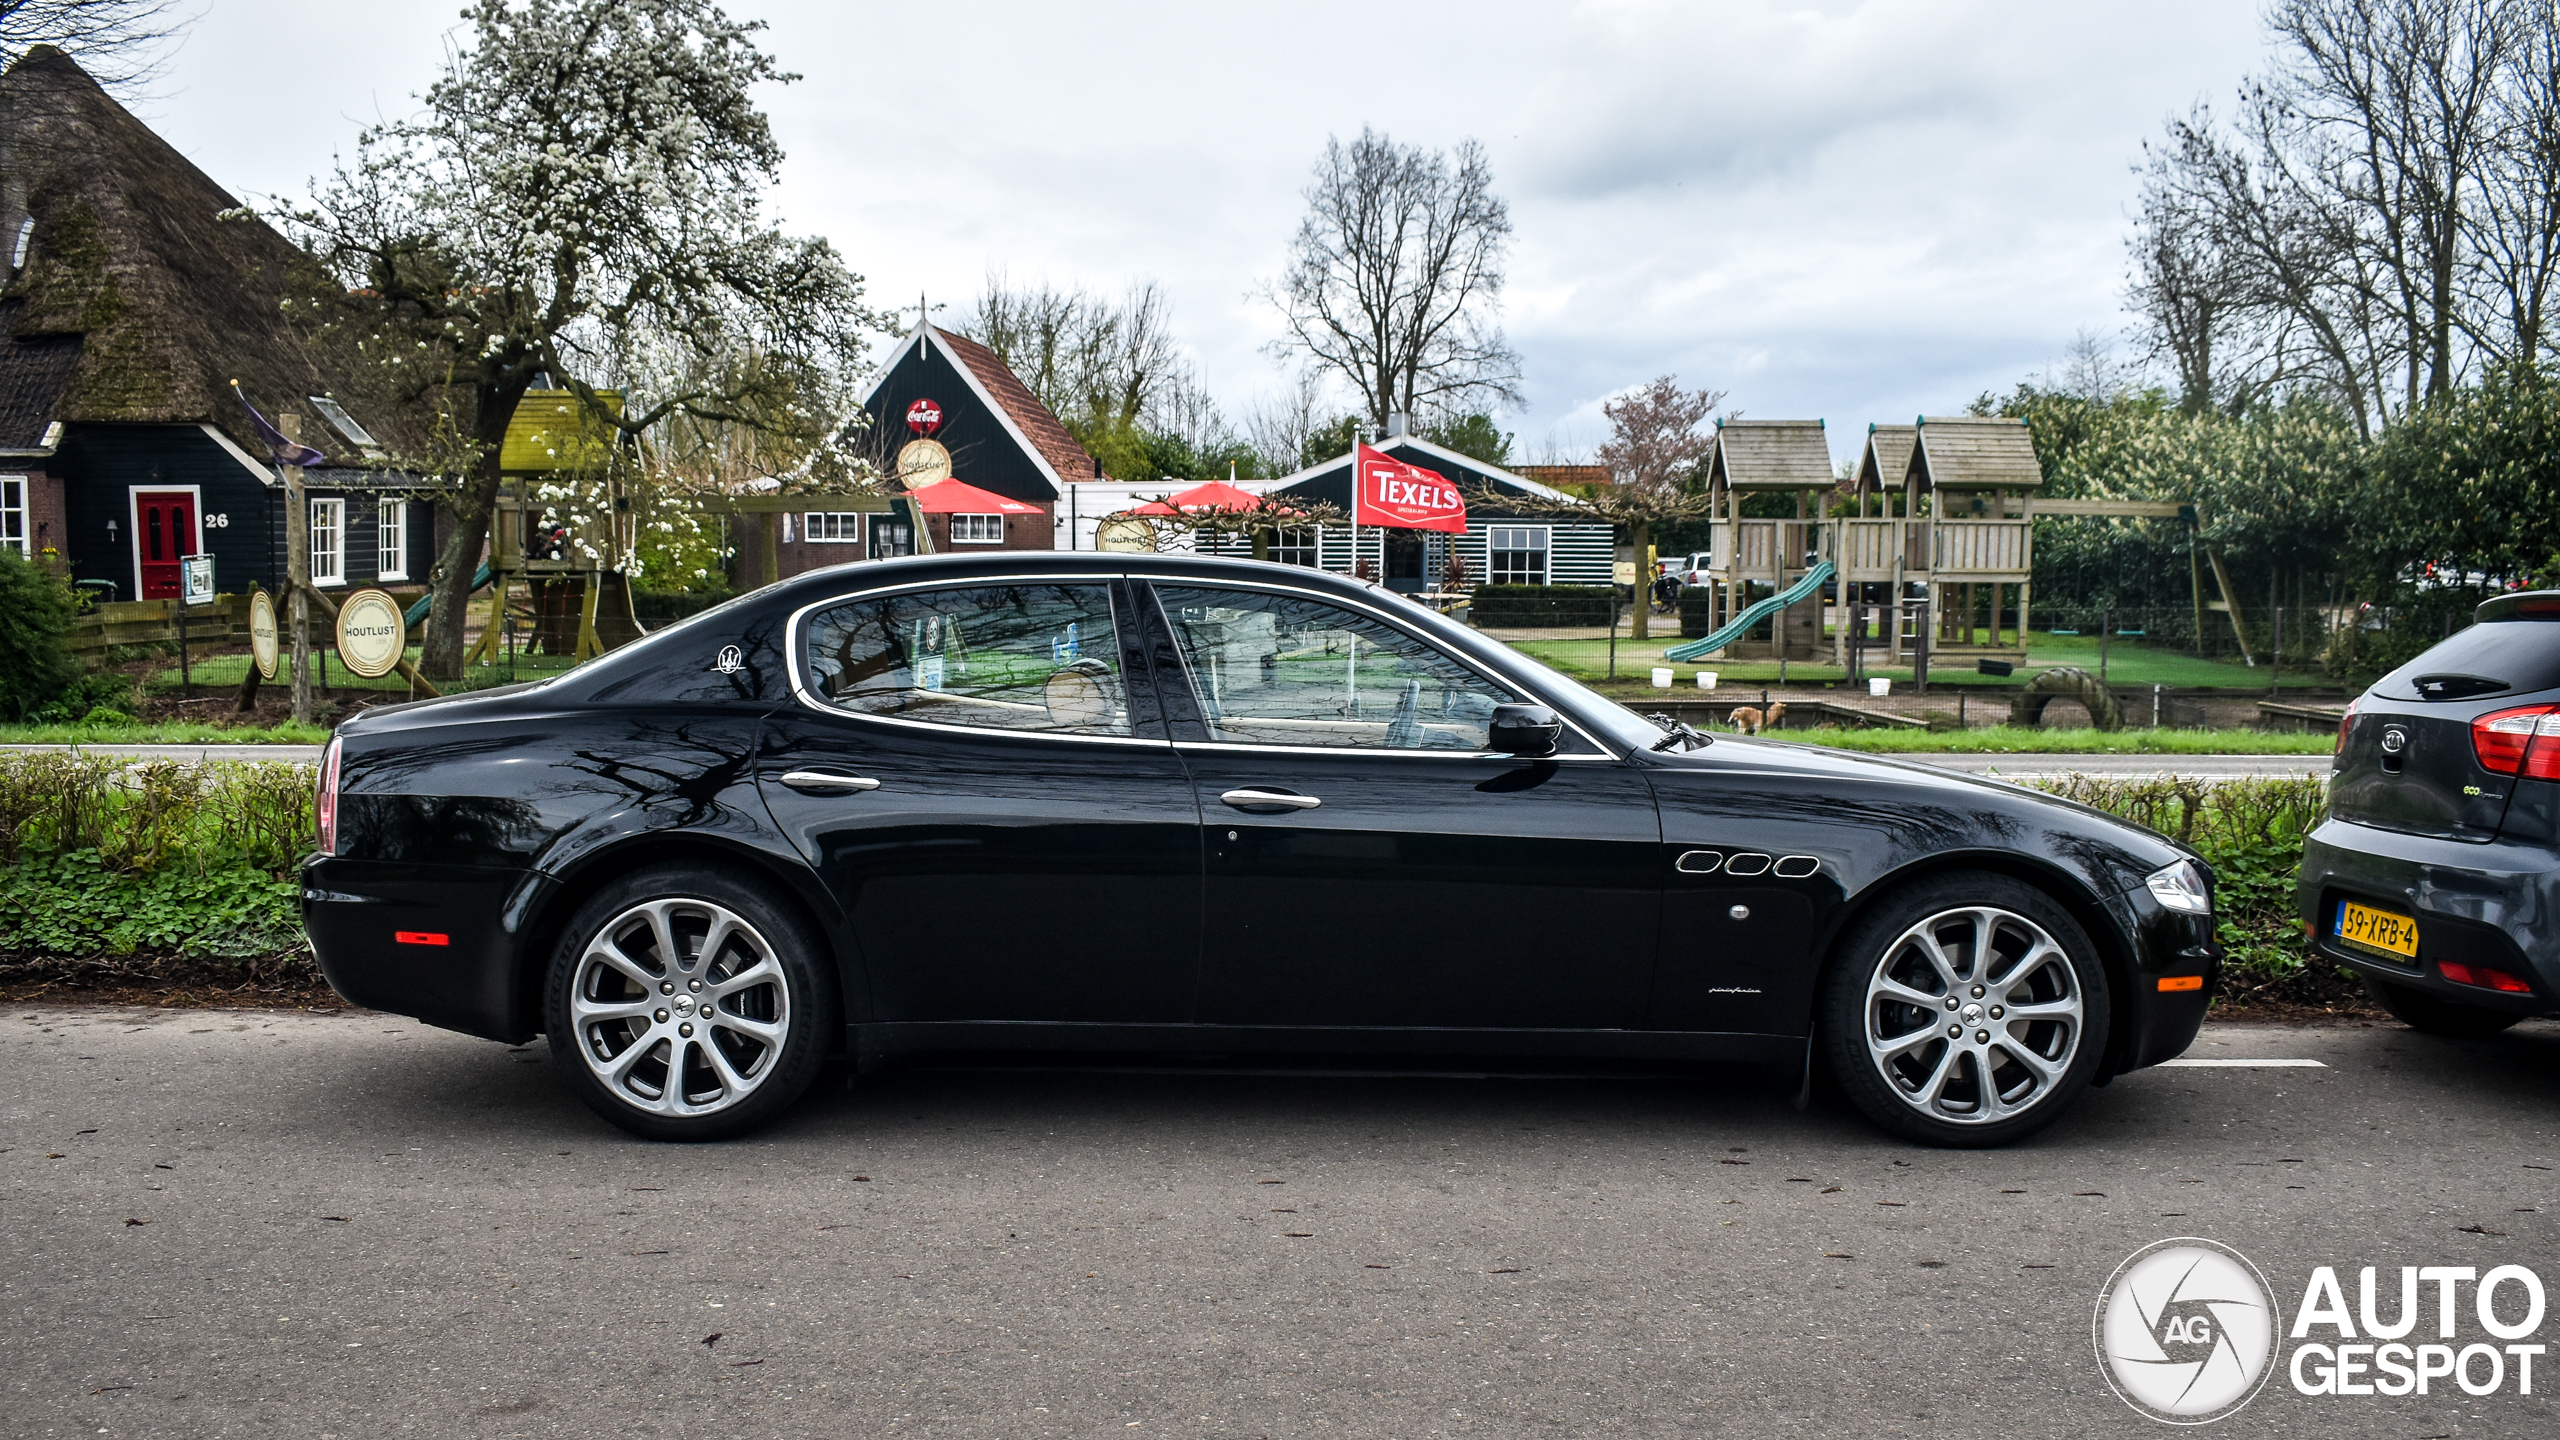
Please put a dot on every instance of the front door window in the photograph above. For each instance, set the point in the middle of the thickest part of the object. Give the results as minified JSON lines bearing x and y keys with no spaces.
{"x":1274,"y":669}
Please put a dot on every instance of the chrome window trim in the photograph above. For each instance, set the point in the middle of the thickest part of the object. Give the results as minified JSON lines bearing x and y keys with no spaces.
{"x":1393,"y":622}
{"x":797,"y":624}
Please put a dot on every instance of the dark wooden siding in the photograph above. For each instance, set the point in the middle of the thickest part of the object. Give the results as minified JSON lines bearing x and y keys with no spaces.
{"x":102,"y":465}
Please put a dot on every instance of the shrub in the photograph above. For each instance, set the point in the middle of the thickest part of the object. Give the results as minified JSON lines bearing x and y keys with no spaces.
{"x":2251,"y":833}
{"x":35,"y":623}
{"x":98,"y":694}
{"x":152,"y":870}
{"x":1541,"y":604}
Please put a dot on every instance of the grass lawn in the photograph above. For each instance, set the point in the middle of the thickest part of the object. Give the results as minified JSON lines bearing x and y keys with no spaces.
{"x":2130,"y":665}
{"x":2003,"y":740}
{"x":223,"y":672}
{"x":168,"y":733}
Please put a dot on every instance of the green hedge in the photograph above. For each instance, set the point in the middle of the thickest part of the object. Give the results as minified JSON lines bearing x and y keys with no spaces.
{"x":1540,"y":604}
{"x":1697,"y":608}
{"x":656,"y":607}
{"x":154,"y":871}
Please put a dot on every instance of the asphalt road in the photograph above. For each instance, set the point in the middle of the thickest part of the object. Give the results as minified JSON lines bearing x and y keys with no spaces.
{"x":231,"y":1224}
{"x":2016,"y":767}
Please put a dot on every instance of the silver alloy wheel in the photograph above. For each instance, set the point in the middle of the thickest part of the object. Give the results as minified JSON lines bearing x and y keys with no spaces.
{"x":1973,"y":1015}
{"x":680,"y":1007}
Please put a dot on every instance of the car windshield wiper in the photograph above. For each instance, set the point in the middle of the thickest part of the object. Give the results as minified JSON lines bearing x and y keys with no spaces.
{"x":1680,"y":733}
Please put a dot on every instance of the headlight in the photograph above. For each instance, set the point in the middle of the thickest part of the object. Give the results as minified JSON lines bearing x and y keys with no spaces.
{"x":2181,"y":887}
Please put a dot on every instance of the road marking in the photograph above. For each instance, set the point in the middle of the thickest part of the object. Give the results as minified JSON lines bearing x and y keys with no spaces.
{"x":2249,"y":1064}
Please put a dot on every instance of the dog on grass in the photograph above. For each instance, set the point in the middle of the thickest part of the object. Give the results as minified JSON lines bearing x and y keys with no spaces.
{"x":1750,"y":720}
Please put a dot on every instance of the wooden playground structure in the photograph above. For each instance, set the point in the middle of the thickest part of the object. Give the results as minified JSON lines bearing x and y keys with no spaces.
{"x":1937,"y":534}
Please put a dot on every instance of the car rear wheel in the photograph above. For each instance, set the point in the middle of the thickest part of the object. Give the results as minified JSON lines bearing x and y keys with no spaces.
{"x":2424,"y":1012}
{"x":683,"y":1004}
{"x":1966,"y":1010}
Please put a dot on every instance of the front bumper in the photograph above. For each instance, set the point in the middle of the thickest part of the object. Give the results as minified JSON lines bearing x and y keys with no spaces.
{"x":2494,"y":905}
{"x":430,"y":941}
{"x":2170,"y":948}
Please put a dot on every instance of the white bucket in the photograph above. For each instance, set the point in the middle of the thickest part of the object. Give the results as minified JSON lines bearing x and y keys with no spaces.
{"x":1880,"y":687}
{"x":1661,"y":677}
{"x":1706,"y":679}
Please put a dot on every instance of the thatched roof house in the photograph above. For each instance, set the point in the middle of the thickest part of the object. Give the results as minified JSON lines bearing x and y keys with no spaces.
{"x":135,"y":290}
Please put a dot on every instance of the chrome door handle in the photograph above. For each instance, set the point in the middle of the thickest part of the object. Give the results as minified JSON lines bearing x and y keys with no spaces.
{"x":1269,"y":800}
{"x":822,"y":781}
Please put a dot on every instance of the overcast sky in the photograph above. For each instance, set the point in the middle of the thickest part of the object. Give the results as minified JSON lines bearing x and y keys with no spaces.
{"x":1855,"y":211}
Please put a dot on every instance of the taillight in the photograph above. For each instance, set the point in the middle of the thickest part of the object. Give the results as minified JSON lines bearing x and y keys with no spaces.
{"x":2504,"y":742}
{"x":2346,"y":722}
{"x":2482,"y":976}
{"x":327,"y":815}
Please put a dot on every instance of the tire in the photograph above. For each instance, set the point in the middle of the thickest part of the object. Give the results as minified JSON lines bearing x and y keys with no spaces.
{"x":1908,"y":969}
{"x":623,"y":1013}
{"x":2426,"y":1014}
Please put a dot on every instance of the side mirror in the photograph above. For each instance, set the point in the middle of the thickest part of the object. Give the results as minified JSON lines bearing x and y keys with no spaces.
{"x":1526,"y":730}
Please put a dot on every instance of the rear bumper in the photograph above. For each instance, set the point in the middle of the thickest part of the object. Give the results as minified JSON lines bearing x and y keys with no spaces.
{"x":358,"y":911}
{"x":2496,"y":905}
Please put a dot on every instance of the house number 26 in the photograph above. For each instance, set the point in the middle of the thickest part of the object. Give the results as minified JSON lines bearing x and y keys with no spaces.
{"x":217,"y":522}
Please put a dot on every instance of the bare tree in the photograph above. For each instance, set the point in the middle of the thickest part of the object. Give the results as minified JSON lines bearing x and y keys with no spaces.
{"x":1100,"y":365}
{"x":1279,"y":425}
{"x":1395,"y":276}
{"x":117,"y":41}
{"x":2515,"y":228}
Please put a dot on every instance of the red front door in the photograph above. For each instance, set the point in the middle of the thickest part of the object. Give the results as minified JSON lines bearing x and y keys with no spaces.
{"x":164,"y":529}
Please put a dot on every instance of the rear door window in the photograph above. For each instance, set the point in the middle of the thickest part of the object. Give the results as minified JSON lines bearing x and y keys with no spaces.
{"x":1024,"y":657}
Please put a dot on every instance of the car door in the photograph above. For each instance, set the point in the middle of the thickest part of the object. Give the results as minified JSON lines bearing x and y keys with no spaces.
{"x":978,"y":771}
{"x":1368,"y":861}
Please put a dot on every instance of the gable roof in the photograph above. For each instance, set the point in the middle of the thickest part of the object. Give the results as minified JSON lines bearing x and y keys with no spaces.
{"x":1418,"y":451}
{"x":1057,"y":455}
{"x":1771,"y":455}
{"x":172,"y":302}
{"x":1888,"y":456}
{"x":1975,"y":452}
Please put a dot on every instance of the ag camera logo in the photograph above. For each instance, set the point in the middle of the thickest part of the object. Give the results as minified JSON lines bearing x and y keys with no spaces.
{"x":2185,"y":1331}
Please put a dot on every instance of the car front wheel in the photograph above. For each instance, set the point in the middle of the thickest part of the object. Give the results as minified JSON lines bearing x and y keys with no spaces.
{"x":685,"y":1005}
{"x":1967,"y":1010}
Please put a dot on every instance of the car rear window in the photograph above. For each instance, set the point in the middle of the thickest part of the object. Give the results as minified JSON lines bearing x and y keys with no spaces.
{"x":2499,"y":657}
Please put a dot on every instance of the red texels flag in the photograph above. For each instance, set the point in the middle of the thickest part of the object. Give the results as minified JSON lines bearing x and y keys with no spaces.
{"x":1407,"y":497}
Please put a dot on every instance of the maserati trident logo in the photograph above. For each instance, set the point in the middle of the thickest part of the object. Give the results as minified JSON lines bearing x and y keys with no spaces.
{"x":2185,"y":1331}
{"x":731,"y":661}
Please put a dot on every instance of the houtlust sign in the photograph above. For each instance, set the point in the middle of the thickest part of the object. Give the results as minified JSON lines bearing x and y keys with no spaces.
{"x":1391,"y":493}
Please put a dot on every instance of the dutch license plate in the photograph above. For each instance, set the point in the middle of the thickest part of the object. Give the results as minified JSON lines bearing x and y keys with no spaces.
{"x":2372,"y":929}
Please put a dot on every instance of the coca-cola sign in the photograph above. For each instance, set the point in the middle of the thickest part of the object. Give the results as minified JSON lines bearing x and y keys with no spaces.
{"x":924,"y":417}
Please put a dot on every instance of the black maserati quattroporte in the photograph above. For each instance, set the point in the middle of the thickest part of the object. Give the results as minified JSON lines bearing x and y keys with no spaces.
{"x":1222,"y":813}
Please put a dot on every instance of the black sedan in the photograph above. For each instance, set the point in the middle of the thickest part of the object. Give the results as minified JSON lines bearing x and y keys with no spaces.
{"x":1233,"y":813}
{"x":2437,"y":873}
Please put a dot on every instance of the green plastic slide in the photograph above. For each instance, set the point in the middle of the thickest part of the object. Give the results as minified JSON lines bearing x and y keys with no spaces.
{"x":1740,"y":625}
{"x":418,"y":612}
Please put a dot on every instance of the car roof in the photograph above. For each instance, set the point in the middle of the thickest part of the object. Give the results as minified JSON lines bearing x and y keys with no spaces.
{"x":909,"y":569}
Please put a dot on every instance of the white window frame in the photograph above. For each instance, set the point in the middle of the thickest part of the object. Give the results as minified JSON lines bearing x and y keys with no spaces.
{"x":391,"y":540}
{"x":329,"y":566}
{"x":13,"y":514}
{"x":1526,"y":539}
{"x":832,"y":527}
{"x":977,"y":527}
{"x":1297,"y":545}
